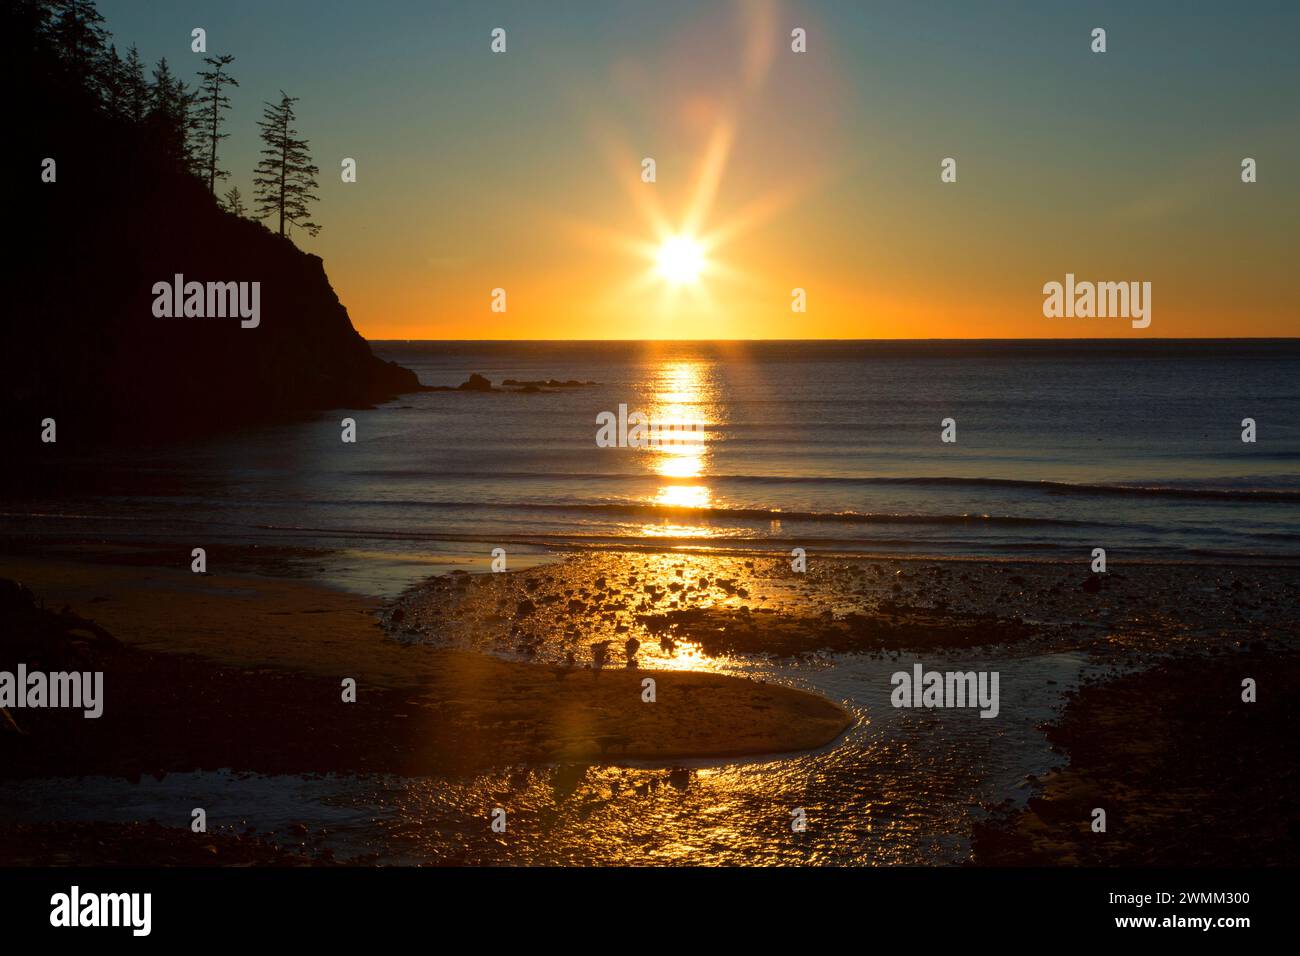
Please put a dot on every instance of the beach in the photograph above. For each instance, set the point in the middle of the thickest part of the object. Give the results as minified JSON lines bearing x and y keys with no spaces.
{"x":478,"y":688}
{"x":265,"y":660}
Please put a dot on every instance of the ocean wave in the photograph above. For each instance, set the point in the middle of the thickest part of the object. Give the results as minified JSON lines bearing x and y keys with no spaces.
{"x":929,"y":548}
{"x":1272,"y":495}
{"x":639,"y":509}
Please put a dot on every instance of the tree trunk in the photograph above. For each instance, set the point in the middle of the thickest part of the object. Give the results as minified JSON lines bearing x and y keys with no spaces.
{"x":212,"y":164}
{"x":284,"y":166}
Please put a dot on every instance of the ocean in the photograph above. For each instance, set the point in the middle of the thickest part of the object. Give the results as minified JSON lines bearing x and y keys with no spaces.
{"x":1060,"y":447}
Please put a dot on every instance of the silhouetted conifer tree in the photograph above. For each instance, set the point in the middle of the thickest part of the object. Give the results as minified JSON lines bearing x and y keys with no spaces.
{"x":112,"y":81}
{"x":285,"y":176}
{"x":210,"y":102}
{"x":234,"y":202}
{"x":30,"y":19}
{"x":169,"y":117}
{"x":79,"y":34}
{"x":135,"y":88}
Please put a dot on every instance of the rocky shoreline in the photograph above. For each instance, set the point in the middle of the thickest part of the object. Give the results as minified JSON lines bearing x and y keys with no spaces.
{"x":1188,"y":773}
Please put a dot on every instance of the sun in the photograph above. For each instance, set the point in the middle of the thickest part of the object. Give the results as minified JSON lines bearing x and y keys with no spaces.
{"x":680,"y":260}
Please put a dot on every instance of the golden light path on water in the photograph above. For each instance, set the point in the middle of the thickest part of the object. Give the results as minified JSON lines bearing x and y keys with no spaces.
{"x":683,"y":408}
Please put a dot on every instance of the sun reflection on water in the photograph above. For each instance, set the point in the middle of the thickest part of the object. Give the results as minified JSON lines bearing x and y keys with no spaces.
{"x":683,"y":405}
{"x":683,"y":496}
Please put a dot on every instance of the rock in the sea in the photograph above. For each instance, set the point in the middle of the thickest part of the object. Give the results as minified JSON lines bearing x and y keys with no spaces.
{"x":475,"y":383}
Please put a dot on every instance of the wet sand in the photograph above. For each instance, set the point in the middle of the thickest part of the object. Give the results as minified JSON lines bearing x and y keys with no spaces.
{"x":1160,"y":736}
{"x":246,"y":673}
{"x":143,"y":844}
{"x":469,"y":674}
{"x":679,"y":603}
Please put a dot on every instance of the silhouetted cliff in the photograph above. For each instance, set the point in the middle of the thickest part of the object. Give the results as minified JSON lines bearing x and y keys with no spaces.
{"x":82,"y":343}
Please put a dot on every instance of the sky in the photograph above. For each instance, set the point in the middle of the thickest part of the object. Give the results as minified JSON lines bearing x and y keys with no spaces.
{"x":775,"y":170}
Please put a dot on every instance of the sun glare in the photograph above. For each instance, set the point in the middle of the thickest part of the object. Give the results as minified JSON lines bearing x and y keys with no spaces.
{"x":680,"y":260}
{"x":684,"y":268}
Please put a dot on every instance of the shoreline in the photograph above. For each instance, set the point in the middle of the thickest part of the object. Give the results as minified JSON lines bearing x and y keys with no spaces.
{"x":470,"y":677}
{"x":266,"y":658}
{"x":77,"y":547}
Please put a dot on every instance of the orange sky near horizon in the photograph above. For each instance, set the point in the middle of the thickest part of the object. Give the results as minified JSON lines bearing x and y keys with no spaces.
{"x":924,"y":280}
{"x":817,"y":170}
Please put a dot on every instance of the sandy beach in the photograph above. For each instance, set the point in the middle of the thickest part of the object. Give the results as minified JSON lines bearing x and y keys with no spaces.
{"x":266,"y":659}
{"x":205,"y":672}
{"x":464,"y":674}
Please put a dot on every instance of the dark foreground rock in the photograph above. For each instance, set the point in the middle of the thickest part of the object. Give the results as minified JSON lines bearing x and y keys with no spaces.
{"x":1181,"y":764}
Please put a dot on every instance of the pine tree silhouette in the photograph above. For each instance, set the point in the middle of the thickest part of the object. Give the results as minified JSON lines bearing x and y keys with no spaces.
{"x":234,"y":202}
{"x":171,"y":118}
{"x":211,"y":102}
{"x":112,"y":75}
{"x":285,"y":176}
{"x":79,"y":34}
{"x":135,"y":89}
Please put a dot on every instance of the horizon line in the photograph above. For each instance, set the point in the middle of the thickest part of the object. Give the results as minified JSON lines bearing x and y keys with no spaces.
{"x":1077,"y":339}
